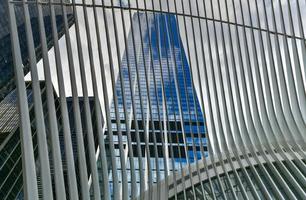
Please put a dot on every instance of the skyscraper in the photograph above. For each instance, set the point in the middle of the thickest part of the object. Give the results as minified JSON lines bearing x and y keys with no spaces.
{"x":6,"y":59}
{"x":164,"y":115}
{"x":10,"y":145}
{"x":11,"y":184}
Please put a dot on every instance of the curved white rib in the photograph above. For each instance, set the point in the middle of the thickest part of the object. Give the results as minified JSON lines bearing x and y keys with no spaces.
{"x":201,"y":99}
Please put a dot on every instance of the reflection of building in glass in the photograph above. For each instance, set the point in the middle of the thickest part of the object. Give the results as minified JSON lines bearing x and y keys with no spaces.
{"x":6,"y":60}
{"x":176,"y":116}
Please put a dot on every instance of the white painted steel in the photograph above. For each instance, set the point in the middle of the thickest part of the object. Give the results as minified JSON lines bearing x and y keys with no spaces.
{"x":247,"y":65}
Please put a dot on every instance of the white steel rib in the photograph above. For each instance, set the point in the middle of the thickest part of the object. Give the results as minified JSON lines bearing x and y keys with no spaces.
{"x":160,"y":99}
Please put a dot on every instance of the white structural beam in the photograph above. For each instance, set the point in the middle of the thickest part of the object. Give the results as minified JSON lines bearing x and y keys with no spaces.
{"x":153,"y":99}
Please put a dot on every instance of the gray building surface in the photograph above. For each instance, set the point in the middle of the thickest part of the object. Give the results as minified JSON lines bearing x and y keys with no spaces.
{"x":6,"y":58}
{"x":11,"y":184}
{"x":10,"y":144}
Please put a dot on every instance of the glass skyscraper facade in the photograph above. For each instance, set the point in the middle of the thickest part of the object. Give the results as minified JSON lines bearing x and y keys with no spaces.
{"x":6,"y":58}
{"x":155,"y":66}
{"x":11,"y":184}
{"x":10,"y":145}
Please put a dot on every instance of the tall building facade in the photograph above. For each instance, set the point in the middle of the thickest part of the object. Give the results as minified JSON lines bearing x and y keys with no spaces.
{"x":157,"y":96}
{"x":10,"y":144}
{"x":6,"y":58}
{"x":11,"y":180}
{"x":11,"y":185}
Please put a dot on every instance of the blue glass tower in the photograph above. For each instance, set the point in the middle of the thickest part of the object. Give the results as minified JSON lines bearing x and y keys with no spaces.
{"x":154,"y":68}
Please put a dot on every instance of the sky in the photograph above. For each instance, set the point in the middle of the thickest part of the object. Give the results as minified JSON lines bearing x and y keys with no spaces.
{"x":164,"y":7}
{"x":187,"y":39}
